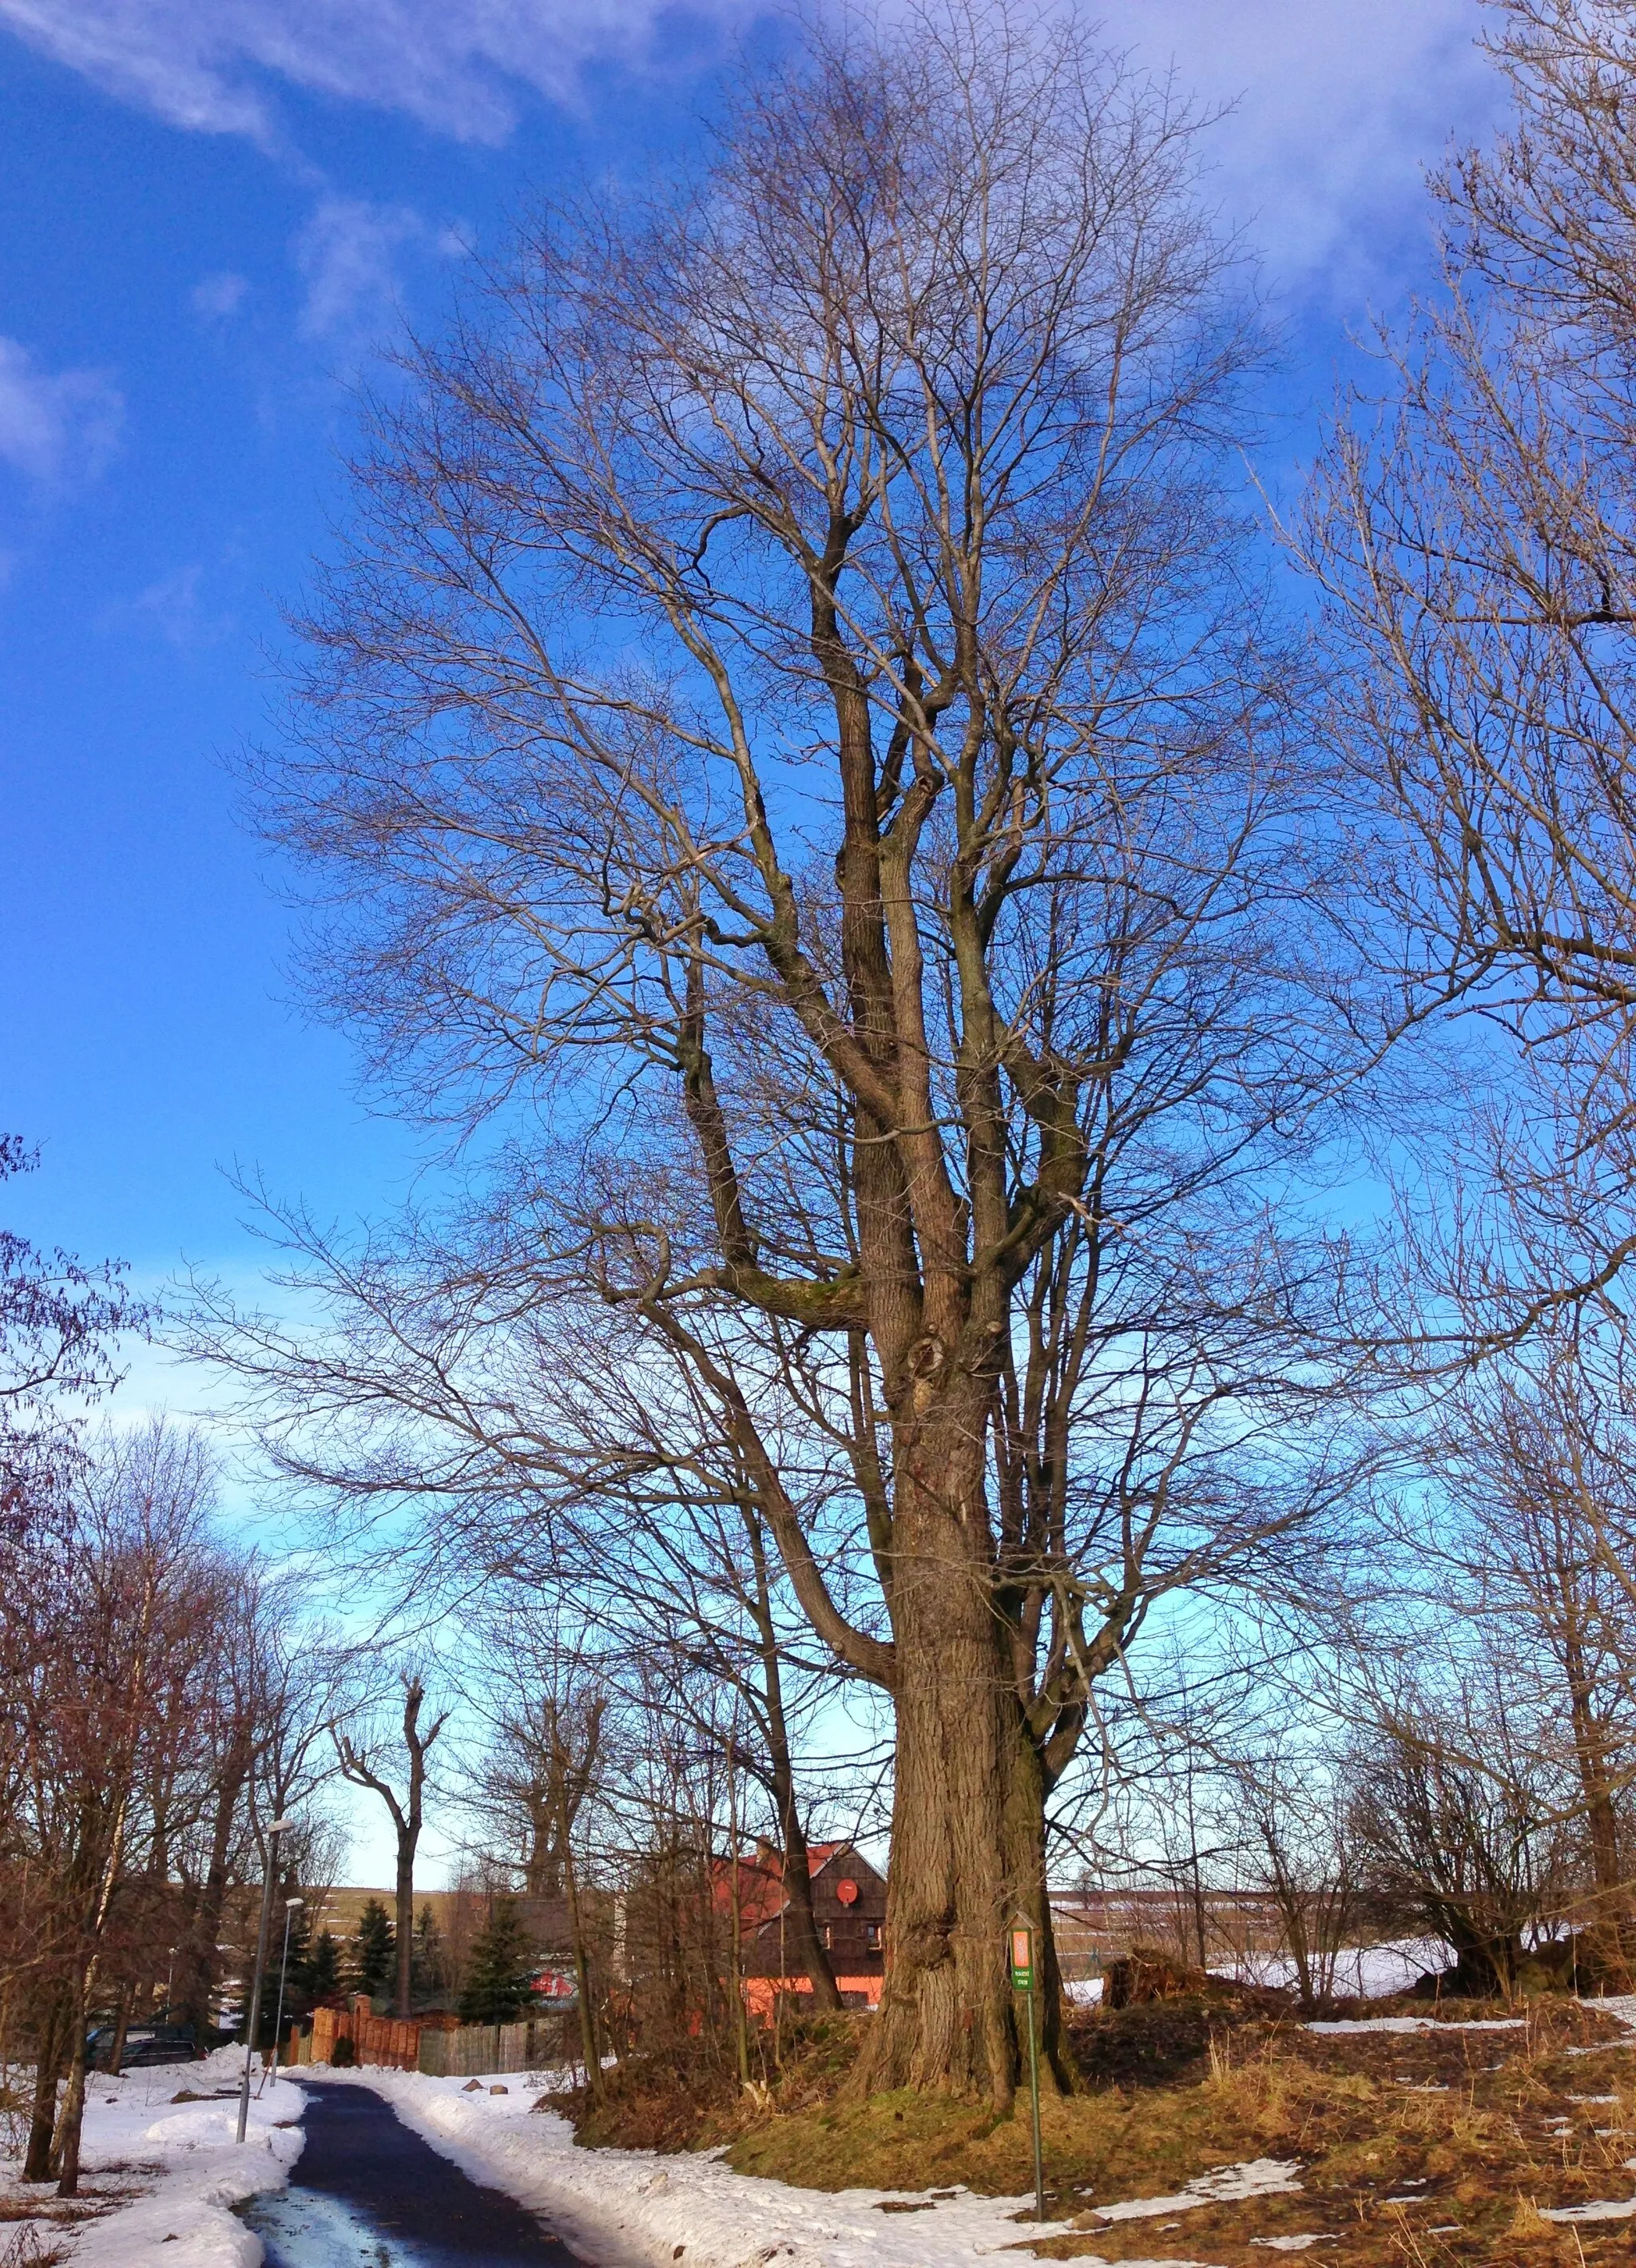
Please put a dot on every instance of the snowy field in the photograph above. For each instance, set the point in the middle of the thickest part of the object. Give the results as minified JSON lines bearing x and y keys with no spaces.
{"x":165,"y":2176}
{"x":1362,"y":1973}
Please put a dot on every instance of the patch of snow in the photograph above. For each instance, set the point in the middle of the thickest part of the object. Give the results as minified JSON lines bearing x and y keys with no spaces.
{"x":1420,"y":2024}
{"x":1606,"y":2211}
{"x":1292,"y":2243}
{"x":1260,"y":2177}
{"x":1362,"y":1973}
{"x":1083,"y":1992}
{"x":177,"y":2164}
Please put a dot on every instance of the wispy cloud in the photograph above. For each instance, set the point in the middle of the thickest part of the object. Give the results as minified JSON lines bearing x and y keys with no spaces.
{"x":173,"y":607}
{"x":55,"y":426}
{"x":456,"y":64}
{"x":347,"y":257}
{"x":1339,"y":101}
{"x":217,"y":297}
{"x":1337,"y":108}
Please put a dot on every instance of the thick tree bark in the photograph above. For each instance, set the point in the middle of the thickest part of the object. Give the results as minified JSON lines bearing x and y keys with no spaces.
{"x":967,"y":1814}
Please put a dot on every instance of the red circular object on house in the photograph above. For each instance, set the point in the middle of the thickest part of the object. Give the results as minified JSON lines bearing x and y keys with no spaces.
{"x":847,"y":1892}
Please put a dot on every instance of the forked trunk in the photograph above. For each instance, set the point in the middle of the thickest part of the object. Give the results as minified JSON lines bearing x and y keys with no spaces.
{"x":967,"y":1814}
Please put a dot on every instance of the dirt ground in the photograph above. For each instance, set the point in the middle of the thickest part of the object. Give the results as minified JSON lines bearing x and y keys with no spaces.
{"x":1438,"y":2148}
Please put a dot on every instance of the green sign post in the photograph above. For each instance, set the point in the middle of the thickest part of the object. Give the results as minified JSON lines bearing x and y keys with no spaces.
{"x":1022,"y":1968}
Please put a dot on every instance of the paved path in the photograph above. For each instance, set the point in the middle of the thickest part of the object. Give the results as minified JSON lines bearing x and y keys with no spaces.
{"x":367,"y":2192}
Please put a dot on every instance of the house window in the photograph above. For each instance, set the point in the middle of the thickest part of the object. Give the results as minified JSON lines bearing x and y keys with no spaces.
{"x":871,"y":1936}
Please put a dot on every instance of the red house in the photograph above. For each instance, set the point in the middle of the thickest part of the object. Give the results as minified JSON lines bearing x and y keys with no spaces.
{"x":848,"y":1906}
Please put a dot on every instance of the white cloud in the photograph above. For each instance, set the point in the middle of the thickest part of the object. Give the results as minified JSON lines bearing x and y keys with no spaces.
{"x":347,"y":258}
{"x":1340,"y":101}
{"x":217,"y":297}
{"x":172,"y":606}
{"x":454,"y":63}
{"x":55,"y":427}
{"x":1339,"y":106}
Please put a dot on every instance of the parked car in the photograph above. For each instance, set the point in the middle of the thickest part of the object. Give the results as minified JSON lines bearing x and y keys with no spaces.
{"x":145,"y":2045}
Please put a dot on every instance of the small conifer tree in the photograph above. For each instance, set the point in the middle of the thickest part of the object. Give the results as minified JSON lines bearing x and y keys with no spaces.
{"x":323,"y":1970}
{"x":499,"y":1970}
{"x":428,"y":1972}
{"x":373,"y":1950}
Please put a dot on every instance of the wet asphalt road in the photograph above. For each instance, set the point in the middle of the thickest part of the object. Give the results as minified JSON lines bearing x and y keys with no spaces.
{"x":367,"y":2192}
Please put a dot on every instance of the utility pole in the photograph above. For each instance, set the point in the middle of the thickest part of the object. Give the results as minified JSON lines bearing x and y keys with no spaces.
{"x":279,"y":1827}
{"x":284,"y":1969}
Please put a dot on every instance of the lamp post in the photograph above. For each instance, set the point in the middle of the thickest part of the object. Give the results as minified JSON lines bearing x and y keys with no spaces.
{"x":279,"y":1827}
{"x":1023,"y":1967}
{"x":284,"y":1969}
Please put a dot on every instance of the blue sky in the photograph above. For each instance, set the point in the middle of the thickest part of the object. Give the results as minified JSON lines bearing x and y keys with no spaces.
{"x":211,"y":213}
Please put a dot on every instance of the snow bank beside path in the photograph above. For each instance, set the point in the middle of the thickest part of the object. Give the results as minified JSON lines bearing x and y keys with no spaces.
{"x":636,"y":2209}
{"x":173,"y":2170}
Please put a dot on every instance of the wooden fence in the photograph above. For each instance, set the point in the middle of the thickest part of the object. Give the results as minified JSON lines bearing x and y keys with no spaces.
{"x":438,"y":2050}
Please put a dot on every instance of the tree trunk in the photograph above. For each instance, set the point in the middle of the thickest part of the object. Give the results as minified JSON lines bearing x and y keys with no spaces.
{"x":968,"y":1812}
{"x":121,"y":2025}
{"x":199,"y":1971}
{"x":1610,"y":1933}
{"x":71,"y":2117}
{"x":800,"y":1941}
{"x":406,"y":1840}
{"x":50,"y":2055}
{"x":802,"y":1945}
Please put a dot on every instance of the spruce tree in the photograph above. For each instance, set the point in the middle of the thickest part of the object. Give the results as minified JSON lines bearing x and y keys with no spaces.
{"x":499,"y":1970}
{"x":373,"y":1950}
{"x":323,"y":1973}
{"x":427,"y":1973}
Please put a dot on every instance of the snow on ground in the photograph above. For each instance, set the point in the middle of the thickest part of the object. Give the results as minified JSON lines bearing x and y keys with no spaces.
{"x":173,"y":2170}
{"x":636,"y":2209}
{"x":1362,"y":1973}
{"x":1420,"y":2024}
{"x":1261,"y":2178}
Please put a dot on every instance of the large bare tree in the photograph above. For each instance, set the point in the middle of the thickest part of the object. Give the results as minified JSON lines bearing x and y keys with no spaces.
{"x":796,"y":717}
{"x":364,"y":1760}
{"x":1472,"y":525}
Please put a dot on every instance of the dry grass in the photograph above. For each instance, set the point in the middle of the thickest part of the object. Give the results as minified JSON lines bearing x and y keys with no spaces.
{"x":1429,"y":2150}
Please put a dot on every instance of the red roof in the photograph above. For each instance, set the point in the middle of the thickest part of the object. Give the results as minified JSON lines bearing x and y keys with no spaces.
{"x":762,"y":1896}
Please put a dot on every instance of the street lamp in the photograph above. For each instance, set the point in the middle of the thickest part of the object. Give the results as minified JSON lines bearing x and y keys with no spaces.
{"x":283,"y":1966}
{"x":279,"y":1827}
